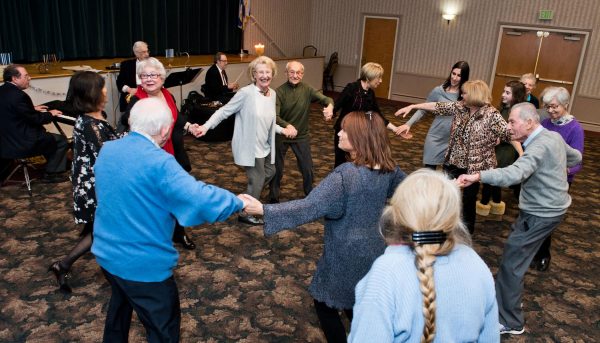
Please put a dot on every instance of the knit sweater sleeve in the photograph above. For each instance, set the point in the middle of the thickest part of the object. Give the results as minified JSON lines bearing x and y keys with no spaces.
{"x":489,"y":331}
{"x":194,"y":202}
{"x":326,"y":200}
{"x":575,"y":141}
{"x":233,"y":106}
{"x":374,"y":310}
{"x":520,"y":170}
{"x":315,"y":95}
{"x":433,"y":96}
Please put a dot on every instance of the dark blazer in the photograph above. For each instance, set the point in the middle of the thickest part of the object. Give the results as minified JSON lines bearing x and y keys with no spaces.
{"x":213,"y":87}
{"x":126,"y":77}
{"x":21,"y":126}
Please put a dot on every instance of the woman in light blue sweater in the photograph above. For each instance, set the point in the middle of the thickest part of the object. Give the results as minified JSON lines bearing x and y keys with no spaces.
{"x":430,"y":285}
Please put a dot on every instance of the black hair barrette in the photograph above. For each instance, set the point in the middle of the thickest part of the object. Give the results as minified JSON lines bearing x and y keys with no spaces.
{"x":429,"y":237}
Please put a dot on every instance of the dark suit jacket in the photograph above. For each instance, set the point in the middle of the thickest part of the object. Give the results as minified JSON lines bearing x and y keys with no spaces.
{"x":213,"y":87}
{"x":21,"y":126}
{"x":126,"y":77}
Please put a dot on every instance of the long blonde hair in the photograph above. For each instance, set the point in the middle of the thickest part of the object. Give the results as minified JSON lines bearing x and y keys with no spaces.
{"x":426,"y":201}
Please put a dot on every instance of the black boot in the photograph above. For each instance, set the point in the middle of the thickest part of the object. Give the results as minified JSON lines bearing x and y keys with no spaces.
{"x":61,"y":277}
{"x":181,"y":237}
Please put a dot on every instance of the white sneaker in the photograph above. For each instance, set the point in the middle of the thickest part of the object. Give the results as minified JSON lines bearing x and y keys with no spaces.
{"x":512,"y":331}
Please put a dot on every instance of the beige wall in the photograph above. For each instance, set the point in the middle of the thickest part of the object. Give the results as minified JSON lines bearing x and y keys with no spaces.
{"x":426,"y":45}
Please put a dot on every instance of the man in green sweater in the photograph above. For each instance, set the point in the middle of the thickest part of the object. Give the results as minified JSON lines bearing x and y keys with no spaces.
{"x":293,"y":106}
{"x":543,"y":202}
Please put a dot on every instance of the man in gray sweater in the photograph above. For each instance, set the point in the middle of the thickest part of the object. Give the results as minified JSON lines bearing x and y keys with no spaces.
{"x":544,"y":199}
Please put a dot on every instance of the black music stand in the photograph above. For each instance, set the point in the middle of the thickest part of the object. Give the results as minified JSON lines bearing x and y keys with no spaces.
{"x":180,"y":78}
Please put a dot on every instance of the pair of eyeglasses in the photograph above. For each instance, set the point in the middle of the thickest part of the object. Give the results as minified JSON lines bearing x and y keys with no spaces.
{"x":151,"y":76}
{"x":291,"y":72}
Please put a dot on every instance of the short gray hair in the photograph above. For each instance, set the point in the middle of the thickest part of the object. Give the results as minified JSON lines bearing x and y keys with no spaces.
{"x":139,"y":44}
{"x":561,"y":94}
{"x":287,"y":65}
{"x":526,"y":111}
{"x":150,"y":116}
{"x":152,"y":62}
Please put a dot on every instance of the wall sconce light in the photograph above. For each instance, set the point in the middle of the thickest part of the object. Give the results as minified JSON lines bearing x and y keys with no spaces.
{"x":448,"y":17}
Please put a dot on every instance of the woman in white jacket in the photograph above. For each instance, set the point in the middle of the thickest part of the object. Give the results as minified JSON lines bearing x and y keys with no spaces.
{"x":253,"y":142}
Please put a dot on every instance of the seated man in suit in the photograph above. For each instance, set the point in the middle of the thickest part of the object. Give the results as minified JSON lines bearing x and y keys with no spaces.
{"x":22,"y":132}
{"x":217,"y":86}
{"x":128,"y":80}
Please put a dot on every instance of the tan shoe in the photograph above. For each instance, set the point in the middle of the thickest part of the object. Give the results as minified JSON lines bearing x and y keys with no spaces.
{"x":481,"y":209}
{"x":497,"y":207}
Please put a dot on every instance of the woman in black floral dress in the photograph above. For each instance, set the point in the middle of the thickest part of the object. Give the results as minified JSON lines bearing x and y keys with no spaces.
{"x":88,"y":95}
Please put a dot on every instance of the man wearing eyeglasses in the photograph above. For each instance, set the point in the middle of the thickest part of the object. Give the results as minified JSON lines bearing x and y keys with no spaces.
{"x":217,"y":86}
{"x":293,"y":107}
{"x":22,"y":132}
{"x":127,"y":81}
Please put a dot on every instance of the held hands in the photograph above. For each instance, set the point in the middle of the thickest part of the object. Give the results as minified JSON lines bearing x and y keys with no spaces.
{"x":466,"y":180}
{"x":403,"y":111}
{"x":132,"y":90}
{"x":328,"y":112}
{"x":234,"y":86}
{"x":403,"y":131}
{"x":251,"y":205}
{"x":290,"y":131}
{"x":197,"y":130}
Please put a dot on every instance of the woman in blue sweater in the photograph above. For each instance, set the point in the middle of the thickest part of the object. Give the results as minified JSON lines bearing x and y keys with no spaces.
{"x":351,"y":199}
{"x":430,"y":285}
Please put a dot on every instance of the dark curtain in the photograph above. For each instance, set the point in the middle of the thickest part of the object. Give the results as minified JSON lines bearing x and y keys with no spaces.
{"x":86,"y":29}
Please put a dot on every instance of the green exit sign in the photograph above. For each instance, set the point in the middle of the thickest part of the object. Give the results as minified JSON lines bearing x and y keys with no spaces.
{"x":546,"y":14}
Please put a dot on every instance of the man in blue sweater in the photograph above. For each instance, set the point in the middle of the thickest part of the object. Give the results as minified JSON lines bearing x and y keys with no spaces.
{"x":543,"y":202}
{"x":141,"y":191}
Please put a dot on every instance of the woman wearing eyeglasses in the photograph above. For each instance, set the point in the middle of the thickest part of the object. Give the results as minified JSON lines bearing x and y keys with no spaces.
{"x":350,"y":199}
{"x":253,"y":142}
{"x":152,"y":73}
{"x":556,"y":101}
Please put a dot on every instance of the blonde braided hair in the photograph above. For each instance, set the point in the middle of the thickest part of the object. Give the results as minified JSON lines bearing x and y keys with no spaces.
{"x":426,"y":201}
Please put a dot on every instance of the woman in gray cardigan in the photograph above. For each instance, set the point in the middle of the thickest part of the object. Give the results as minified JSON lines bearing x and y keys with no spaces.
{"x":436,"y":142}
{"x":253,"y":142}
{"x":351,"y":199}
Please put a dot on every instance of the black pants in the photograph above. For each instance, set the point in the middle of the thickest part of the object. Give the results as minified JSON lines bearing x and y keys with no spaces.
{"x":155,"y":303}
{"x":305,"y":164}
{"x":489,"y":191}
{"x":54,"y":148}
{"x":331,"y":322}
{"x":469,"y":196}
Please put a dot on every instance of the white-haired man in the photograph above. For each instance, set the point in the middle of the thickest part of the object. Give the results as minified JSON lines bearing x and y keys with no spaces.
{"x":293,"y":108}
{"x":138,"y":201}
{"x":544,"y":199}
{"x":128,"y":80}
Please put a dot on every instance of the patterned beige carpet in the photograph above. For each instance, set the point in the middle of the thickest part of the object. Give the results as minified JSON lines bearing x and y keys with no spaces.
{"x":239,"y":286}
